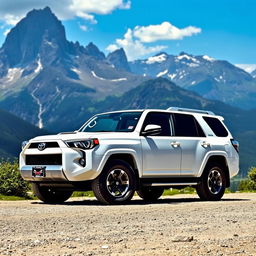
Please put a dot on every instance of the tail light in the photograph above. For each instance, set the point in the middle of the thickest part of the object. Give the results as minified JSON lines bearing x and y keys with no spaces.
{"x":235,"y":144}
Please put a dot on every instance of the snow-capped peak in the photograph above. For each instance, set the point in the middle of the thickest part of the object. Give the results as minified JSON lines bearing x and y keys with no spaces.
{"x":158,"y":58}
{"x":39,"y":66}
{"x":249,"y":68}
{"x":162,"y":73}
{"x":205,"y":57}
{"x":183,"y":56}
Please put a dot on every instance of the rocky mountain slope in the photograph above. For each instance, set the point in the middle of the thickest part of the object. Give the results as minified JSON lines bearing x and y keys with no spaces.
{"x":40,"y":71}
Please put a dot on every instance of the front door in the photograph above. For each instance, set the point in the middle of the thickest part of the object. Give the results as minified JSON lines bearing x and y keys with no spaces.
{"x":161,"y":153}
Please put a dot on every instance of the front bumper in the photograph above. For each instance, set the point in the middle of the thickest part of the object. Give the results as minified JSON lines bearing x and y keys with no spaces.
{"x":53,"y":173}
{"x":68,"y":171}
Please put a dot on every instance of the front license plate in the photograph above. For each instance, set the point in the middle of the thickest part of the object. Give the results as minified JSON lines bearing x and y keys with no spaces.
{"x":38,"y":171}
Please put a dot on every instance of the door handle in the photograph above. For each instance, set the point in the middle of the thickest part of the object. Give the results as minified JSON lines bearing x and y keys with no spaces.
{"x":175,"y":144}
{"x":205,"y":144}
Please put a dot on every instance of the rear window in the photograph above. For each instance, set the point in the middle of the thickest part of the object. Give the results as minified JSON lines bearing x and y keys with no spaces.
{"x":216,"y":126}
{"x":187,"y":126}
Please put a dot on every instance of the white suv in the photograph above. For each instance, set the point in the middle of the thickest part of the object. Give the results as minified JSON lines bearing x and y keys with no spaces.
{"x":117,"y":153}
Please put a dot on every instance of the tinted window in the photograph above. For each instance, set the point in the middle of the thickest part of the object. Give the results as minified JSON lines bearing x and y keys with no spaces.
{"x":216,"y":126}
{"x":162,"y":119}
{"x":187,"y":126}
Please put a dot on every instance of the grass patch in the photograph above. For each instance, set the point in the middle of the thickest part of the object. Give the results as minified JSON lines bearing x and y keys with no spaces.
{"x":13,"y":198}
{"x":82,"y":193}
{"x":174,"y":191}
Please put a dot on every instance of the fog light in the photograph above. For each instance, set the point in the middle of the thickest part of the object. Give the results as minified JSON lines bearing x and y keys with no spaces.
{"x":82,"y":162}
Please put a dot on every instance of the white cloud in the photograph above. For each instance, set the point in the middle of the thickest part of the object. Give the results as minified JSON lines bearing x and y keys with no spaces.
{"x":11,"y":19}
{"x":133,"y":40}
{"x":133,"y":47}
{"x":112,"y":47}
{"x":6,"y":32}
{"x":164,"y":31}
{"x":83,"y":27}
{"x":12,"y":11}
{"x":98,"y":6}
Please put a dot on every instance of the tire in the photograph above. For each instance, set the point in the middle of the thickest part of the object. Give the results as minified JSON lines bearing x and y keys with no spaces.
{"x":213,"y":183}
{"x":49,"y":195}
{"x":116,"y":184}
{"x":150,"y":194}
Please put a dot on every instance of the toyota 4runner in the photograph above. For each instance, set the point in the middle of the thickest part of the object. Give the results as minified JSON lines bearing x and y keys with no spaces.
{"x":117,"y":153}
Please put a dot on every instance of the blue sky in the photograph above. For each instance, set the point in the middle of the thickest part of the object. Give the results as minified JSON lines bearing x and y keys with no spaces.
{"x":223,"y":29}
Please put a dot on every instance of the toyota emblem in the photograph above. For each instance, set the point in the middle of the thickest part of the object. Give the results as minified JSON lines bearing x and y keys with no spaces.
{"x":41,"y":146}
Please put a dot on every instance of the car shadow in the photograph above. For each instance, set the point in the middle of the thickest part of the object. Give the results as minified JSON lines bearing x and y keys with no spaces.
{"x":95,"y":202}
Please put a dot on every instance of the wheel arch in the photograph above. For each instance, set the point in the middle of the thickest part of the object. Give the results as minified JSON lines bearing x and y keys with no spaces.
{"x":128,"y":157}
{"x":220,"y":159}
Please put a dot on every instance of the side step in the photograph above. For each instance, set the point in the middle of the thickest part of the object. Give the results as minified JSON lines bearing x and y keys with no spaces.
{"x":169,"y":182}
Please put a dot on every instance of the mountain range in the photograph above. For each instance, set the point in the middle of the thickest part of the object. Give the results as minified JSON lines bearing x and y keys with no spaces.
{"x":42,"y":74}
{"x":212,"y":79}
{"x":56,"y":84}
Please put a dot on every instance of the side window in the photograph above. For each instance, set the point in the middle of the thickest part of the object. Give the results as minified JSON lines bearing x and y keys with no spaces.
{"x":162,"y":119}
{"x":216,"y":126}
{"x":187,"y":126}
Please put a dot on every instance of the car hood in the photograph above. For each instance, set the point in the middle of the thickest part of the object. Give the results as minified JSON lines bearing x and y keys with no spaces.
{"x":82,"y":136}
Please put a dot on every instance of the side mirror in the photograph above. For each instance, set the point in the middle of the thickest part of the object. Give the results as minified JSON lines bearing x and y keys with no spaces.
{"x":151,"y":129}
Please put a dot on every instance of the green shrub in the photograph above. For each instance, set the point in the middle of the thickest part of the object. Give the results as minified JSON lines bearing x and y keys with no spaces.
{"x":252,"y":174}
{"x":11,"y":183}
{"x":249,"y":184}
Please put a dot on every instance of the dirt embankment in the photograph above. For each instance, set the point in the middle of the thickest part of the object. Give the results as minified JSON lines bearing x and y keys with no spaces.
{"x":177,"y":225}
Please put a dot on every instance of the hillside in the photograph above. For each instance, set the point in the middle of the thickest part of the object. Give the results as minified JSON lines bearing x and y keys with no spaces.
{"x":13,"y":131}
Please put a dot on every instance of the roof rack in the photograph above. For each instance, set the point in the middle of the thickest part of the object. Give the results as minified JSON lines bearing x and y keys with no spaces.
{"x":191,"y":110}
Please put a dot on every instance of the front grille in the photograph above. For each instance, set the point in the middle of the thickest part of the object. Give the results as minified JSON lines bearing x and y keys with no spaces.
{"x":53,"y":159}
{"x":47,"y":145}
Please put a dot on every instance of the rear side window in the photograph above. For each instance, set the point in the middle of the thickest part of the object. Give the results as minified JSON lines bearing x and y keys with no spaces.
{"x":216,"y":126}
{"x":187,"y":126}
{"x":162,"y":119}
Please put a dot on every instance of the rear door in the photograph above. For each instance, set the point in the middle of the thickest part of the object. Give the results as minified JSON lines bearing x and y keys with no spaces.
{"x":193,"y":142}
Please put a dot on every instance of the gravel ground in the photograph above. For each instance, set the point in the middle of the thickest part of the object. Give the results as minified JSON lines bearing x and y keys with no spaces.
{"x":176,"y":225}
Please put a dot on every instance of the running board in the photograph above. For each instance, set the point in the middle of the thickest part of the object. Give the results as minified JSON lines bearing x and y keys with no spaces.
{"x":169,"y":184}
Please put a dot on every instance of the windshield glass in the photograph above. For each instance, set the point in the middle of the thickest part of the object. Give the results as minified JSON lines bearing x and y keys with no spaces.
{"x":113,"y":122}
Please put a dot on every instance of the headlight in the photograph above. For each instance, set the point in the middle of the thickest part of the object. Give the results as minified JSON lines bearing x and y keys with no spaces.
{"x":83,"y":144}
{"x":24,"y":143}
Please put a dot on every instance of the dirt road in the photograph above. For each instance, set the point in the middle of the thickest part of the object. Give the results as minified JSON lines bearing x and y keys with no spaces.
{"x":177,"y":225}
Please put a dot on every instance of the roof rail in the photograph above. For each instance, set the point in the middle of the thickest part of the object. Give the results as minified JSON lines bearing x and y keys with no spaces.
{"x":191,"y":110}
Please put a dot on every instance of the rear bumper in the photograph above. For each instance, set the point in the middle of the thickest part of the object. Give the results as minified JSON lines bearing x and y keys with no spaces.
{"x":233,"y":164}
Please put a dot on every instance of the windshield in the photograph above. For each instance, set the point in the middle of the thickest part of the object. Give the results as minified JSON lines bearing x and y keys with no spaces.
{"x":112,"y":122}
